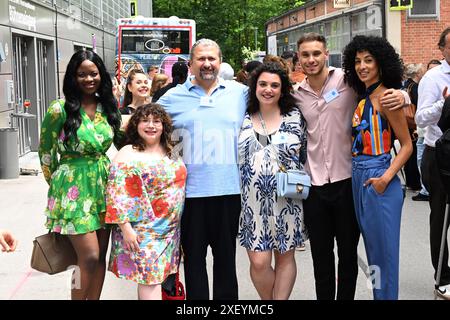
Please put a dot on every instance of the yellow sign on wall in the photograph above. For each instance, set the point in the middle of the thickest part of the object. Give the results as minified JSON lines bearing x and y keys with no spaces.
{"x":396,"y":5}
{"x":341,"y":4}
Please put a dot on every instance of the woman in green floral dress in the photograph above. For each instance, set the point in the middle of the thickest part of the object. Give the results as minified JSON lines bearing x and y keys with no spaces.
{"x":76,"y":133}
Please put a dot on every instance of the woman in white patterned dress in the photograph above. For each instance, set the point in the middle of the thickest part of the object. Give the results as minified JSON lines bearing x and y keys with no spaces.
{"x":273,"y":134}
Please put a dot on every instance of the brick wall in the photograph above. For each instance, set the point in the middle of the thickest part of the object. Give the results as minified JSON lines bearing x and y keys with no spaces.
{"x":330,"y":8}
{"x":420,"y":37}
{"x":311,"y":13}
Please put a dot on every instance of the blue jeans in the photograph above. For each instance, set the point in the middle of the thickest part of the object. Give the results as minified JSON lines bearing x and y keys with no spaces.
{"x":420,"y":147}
{"x":379,"y":217}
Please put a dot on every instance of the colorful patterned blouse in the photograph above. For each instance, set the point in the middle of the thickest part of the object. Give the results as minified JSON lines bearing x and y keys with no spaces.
{"x":372,"y":134}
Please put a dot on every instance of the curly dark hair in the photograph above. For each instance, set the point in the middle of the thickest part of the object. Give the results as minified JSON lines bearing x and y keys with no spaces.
{"x":286,"y":103}
{"x":389,"y":63}
{"x":142,"y":112}
{"x":73,"y":96}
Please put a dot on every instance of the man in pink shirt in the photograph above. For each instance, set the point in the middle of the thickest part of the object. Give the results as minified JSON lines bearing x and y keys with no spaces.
{"x":328,"y":103}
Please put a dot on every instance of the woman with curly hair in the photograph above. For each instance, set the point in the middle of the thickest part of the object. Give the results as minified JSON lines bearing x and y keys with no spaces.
{"x":273,"y":134}
{"x":145,"y":197}
{"x":371,"y":67}
{"x":81,"y":128}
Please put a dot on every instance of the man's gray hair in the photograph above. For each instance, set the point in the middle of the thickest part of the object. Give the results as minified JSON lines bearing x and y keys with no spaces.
{"x":206,"y":43}
{"x":413,"y":69}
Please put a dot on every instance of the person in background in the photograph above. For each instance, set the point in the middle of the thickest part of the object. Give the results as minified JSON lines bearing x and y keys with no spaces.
{"x":242,"y":77}
{"x":371,"y":67}
{"x":8,"y":242}
{"x":179,"y":76}
{"x":283,"y":63}
{"x":433,"y":63}
{"x":117,"y":89}
{"x":244,"y":74}
{"x":250,"y":67}
{"x":75,"y":136}
{"x":423,"y":194}
{"x":413,"y":74}
{"x":270,"y":225}
{"x":207,"y":113}
{"x":151,"y":72}
{"x":144,"y":199}
{"x":272,"y":58}
{"x":159,"y":81}
{"x":297,"y":75}
{"x":137,"y":92}
{"x":288,"y":57}
{"x":433,"y":89}
{"x":226,"y":71}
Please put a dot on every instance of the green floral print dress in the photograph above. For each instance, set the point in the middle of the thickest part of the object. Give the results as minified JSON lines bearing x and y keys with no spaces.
{"x":77,"y":175}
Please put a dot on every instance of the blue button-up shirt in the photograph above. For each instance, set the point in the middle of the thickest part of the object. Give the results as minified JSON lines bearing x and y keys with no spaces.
{"x":206,"y":130}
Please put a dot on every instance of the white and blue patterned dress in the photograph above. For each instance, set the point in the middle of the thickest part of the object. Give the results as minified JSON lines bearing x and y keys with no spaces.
{"x":268,"y":222}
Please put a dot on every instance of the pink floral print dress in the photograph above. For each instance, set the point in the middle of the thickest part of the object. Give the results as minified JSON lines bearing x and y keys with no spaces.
{"x":150,"y":196}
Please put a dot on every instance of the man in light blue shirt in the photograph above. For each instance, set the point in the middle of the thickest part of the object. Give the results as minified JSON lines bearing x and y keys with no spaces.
{"x":207,"y":114}
{"x":430,"y":103}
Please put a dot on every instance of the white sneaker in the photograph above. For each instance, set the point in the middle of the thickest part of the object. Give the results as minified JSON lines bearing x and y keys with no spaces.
{"x":443,"y":292}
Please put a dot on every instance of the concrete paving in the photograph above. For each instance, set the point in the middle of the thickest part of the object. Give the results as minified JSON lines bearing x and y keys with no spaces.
{"x":22,"y":203}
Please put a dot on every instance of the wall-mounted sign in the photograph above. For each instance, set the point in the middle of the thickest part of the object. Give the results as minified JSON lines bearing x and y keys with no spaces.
{"x":272,"y":45}
{"x":340,"y":4}
{"x":396,"y":5}
{"x":22,"y":13}
{"x":9,"y":91}
{"x":94,"y":42}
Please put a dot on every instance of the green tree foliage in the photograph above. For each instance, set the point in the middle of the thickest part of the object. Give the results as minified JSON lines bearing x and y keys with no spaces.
{"x":231,"y":23}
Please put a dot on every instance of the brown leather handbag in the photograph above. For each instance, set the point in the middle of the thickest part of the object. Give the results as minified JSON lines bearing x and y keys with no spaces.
{"x":53,"y":253}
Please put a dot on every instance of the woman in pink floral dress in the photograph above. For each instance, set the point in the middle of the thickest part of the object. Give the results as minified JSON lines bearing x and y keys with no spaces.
{"x":145,"y":197}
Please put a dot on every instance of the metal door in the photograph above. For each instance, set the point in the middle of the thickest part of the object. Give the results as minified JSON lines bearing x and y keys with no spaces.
{"x":20,"y":88}
{"x":43,"y":81}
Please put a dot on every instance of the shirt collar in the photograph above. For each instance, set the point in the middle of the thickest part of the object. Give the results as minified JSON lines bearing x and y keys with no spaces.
{"x":304,"y":84}
{"x":189,"y":85}
{"x":445,"y":66}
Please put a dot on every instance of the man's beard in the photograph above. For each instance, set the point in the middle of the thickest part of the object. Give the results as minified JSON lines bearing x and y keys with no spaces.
{"x":210,"y":75}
